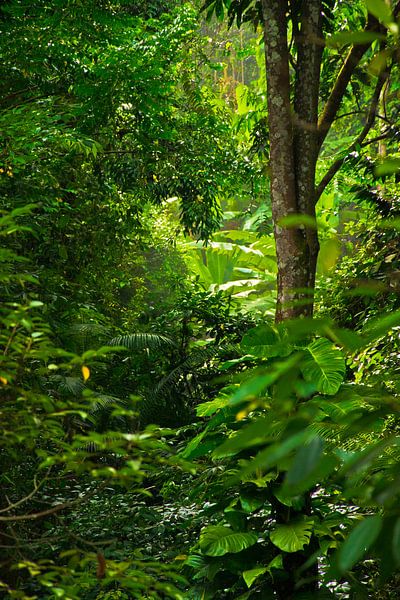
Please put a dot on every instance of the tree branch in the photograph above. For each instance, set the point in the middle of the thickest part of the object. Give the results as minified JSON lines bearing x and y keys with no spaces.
{"x":334,"y":101}
{"x":28,"y":497}
{"x":348,"y":114}
{"x":53,"y":509}
{"x":334,"y":168}
{"x":378,"y":138}
{"x":352,"y":60}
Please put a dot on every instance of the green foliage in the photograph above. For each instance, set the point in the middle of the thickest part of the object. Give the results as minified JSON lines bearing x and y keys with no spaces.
{"x":292,"y":446}
{"x":217,"y":541}
{"x":242,"y":265}
{"x":359,"y":541}
{"x":142,"y":341}
{"x":324,"y":367}
{"x":120,"y":132}
{"x":291,"y":537}
{"x":49,"y":410}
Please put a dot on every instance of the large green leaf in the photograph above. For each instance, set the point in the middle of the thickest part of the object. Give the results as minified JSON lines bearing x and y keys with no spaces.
{"x":319,"y":473}
{"x":264,"y":341}
{"x":252,"y":499}
{"x":217,"y":540}
{"x":254,"y":386}
{"x":251,"y":575}
{"x":192,"y":447}
{"x":206,"y":409}
{"x":293,"y":536}
{"x":270,"y":457}
{"x":256,"y":433}
{"x":324,"y":366}
{"x":359,"y":541}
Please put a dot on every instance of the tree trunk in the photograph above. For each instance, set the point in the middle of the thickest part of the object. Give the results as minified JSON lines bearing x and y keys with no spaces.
{"x":291,"y":247}
{"x":294,"y":147}
{"x":294,"y":150}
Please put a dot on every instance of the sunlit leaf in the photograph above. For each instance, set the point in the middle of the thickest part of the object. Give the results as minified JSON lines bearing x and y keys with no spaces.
{"x":264,"y":341}
{"x":353,"y":37}
{"x":388,"y":167}
{"x":380,"y":10}
{"x":206,"y":409}
{"x":293,"y":536}
{"x":324,"y":366}
{"x":85,"y":373}
{"x":252,"y":574}
{"x":329,"y":254}
{"x":217,"y":540}
{"x":297,"y":220}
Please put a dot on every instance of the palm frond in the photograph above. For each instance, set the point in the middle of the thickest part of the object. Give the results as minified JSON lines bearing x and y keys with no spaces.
{"x":100,"y":412}
{"x":193,"y":362}
{"x":83,"y":336}
{"x":67,"y":385}
{"x":171,"y":400}
{"x":93,"y":329}
{"x":143,"y":341}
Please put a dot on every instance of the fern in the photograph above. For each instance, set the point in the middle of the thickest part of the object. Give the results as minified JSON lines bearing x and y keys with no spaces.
{"x":67,"y":385}
{"x":102,"y":407}
{"x":193,"y":362}
{"x":168,"y":401}
{"x":83,"y":336}
{"x":143,"y":341}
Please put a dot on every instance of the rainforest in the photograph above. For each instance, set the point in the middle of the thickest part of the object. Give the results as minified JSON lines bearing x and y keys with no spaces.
{"x":200,"y":299}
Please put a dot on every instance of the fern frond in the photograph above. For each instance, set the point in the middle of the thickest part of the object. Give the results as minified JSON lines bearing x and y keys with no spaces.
{"x":100,"y":412}
{"x":193,"y":362}
{"x":168,"y":401}
{"x":67,"y":385}
{"x":93,"y":329}
{"x":83,"y":336}
{"x":143,"y":341}
{"x":103,"y":402}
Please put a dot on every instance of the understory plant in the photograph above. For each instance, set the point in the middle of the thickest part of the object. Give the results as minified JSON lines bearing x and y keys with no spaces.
{"x":57,"y":458}
{"x":298,"y":463}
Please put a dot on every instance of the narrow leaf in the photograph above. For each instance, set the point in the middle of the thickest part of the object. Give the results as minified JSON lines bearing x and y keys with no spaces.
{"x":305,"y":462}
{"x":359,"y":541}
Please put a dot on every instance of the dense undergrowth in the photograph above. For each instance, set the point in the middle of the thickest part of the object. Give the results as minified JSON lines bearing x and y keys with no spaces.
{"x":161,"y":436}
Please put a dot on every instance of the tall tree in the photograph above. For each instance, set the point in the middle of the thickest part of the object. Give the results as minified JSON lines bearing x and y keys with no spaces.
{"x":296,"y":54}
{"x":299,"y":123}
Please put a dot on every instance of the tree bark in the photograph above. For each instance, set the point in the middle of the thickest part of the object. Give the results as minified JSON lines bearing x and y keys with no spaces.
{"x":294,"y":147}
{"x":291,"y":246}
{"x":306,"y":95}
